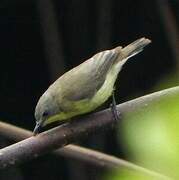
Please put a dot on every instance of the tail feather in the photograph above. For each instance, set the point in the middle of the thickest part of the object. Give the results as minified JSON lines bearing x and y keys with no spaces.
{"x":133,"y":48}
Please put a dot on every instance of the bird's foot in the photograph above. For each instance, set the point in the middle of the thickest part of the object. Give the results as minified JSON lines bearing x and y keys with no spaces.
{"x":115,"y":112}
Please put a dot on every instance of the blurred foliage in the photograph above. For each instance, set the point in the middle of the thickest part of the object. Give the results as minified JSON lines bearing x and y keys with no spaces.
{"x":170,"y":80}
{"x":150,"y":138}
{"x":127,"y":175}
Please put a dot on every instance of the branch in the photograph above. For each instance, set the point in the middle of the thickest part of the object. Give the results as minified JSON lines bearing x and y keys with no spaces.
{"x":170,"y":25}
{"x":80,"y":153}
{"x":63,"y":135}
{"x":52,"y":37}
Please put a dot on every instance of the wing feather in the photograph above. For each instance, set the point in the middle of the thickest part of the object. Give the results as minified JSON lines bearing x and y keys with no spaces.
{"x":86,"y":79}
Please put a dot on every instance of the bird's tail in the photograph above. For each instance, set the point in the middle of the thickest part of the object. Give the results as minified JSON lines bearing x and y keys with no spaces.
{"x":135,"y":47}
{"x":132,"y":49}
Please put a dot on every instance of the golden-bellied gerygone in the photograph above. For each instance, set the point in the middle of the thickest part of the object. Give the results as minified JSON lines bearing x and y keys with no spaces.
{"x":85,"y":87}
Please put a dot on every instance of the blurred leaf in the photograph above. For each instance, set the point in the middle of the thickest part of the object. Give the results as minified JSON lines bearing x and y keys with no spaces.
{"x":170,"y":80}
{"x":127,"y":175}
{"x":151,"y":136}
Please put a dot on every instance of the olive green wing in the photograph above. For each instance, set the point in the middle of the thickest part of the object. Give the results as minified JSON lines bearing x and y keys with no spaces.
{"x":86,"y":79}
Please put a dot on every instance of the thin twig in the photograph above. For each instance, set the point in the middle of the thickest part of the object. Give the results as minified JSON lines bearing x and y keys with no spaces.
{"x":80,"y":153}
{"x":52,"y":37}
{"x":63,"y":135}
{"x":170,"y":26}
{"x":104,"y":20}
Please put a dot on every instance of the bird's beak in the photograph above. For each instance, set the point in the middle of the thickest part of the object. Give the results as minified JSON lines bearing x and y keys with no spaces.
{"x":37,"y":128}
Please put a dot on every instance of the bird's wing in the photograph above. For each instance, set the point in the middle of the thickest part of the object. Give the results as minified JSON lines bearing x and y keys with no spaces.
{"x":83,"y":81}
{"x":86,"y":79}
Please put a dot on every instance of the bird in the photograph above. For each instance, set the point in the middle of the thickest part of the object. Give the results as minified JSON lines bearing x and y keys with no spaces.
{"x":85,"y":87}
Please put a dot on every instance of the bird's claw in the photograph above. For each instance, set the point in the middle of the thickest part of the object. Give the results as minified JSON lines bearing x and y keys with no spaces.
{"x":115,"y":112}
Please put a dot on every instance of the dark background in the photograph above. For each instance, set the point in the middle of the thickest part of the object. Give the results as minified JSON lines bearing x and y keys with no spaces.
{"x":41,"y":39}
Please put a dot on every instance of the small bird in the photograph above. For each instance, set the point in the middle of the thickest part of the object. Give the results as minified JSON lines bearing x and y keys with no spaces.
{"x":85,"y":87}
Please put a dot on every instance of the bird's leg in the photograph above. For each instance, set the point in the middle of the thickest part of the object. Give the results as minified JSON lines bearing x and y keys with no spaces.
{"x":115,"y":112}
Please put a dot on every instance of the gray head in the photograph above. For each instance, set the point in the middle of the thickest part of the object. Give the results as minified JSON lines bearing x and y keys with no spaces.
{"x":45,"y":108}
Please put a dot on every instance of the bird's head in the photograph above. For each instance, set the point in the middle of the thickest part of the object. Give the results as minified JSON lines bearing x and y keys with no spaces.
{"x":46,"y":108}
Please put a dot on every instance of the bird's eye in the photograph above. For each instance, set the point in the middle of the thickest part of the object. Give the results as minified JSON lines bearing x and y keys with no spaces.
{"x":45,"y":114}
